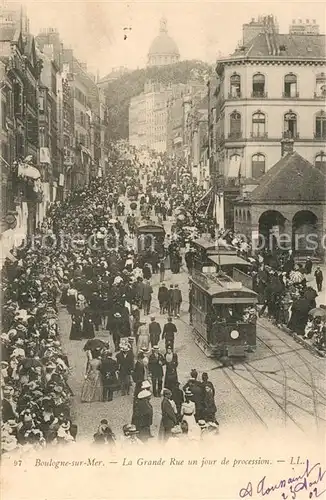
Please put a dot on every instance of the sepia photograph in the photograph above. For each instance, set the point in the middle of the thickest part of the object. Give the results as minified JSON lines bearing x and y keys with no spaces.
{"x":163,"y":250}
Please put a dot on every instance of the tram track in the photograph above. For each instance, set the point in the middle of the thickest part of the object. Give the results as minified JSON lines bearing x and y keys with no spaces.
{"x":312,"y":385}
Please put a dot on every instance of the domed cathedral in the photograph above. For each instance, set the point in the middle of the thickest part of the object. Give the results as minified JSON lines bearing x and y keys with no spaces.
{"x":163,"y":49}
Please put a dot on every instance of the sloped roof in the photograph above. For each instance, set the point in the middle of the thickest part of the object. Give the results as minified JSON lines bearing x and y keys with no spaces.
{"x":293,"y":47}
{"x":291,"y":179}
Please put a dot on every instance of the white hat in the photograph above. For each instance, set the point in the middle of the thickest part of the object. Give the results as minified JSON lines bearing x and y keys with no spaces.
{"x":146,"y":385}
{"x":144,"y":394}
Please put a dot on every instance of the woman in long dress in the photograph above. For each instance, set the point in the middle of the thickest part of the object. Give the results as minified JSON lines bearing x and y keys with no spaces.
{"x":92,"y":389}
{"x":188,"y":410}
{"x":76,"y":332}
{"x":171,"y":364}
{"x":143,"y":338}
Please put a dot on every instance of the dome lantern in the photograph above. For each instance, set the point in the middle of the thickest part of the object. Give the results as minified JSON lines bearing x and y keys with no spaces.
{"x":163,"y":49}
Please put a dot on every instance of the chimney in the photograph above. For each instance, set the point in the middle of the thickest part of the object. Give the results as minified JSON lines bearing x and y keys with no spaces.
{"x":287,"y":145}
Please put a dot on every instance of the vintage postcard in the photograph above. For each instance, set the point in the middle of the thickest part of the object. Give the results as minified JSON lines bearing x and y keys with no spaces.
{"x":163,"y":245}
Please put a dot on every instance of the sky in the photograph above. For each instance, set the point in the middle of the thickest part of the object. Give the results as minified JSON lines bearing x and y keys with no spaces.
{"x":202,"y":29}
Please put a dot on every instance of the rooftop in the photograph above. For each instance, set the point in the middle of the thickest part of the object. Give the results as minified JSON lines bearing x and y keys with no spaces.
{"x":291,"y":179}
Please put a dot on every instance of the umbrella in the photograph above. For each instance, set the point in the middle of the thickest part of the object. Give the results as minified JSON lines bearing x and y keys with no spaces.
{"x":318,"y":312}
{"x":94,"y":344}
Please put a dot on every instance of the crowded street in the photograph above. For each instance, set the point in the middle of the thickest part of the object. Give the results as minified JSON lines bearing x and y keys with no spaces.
{"x":101,"y":345}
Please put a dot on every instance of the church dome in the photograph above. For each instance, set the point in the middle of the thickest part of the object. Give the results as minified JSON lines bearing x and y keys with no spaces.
{"x":163,"y":49}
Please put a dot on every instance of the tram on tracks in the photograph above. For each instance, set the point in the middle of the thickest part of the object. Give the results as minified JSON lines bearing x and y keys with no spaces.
{"x":214,"y":256}
{"x":223,"y":315}
{"x":150,"y":236}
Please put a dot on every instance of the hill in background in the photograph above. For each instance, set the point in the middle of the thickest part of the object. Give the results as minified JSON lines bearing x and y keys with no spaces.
{"x":120,"y":91}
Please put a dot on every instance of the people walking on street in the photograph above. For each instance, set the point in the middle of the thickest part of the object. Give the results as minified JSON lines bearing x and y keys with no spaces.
{"x":155,"y":366}
{"x":162,"y":270}
{"x":171,"y":364}
{"x":169,"y":331}
{"x":143,"y":417}
{"x":147,"y":297}
{"x":319,"y":277}
{"x":154,"y":332}
{"x":188,"y":411}
{"x":125,"y":360}
{"x":163,"y":298}
{"x":92,"y":389}
{"x":170,"y":300}
{"x":143,"y":337}
{"x":109,"y":369}
{"x":176,"y":301}
{"x":169,"y":414}
{"x":197,"y":389}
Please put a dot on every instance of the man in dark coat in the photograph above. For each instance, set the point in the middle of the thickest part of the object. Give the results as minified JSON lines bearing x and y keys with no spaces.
{"x":198,"y":392}
{"x":163,"y":298}
{"x":169,"y":417}
{"x":108,"y":370}
{"x":169,"y":332}
{"x":155,"y":366}
{"x":143,"y":415}
{"x":299,"y":317}
{"x":155,"y":331}
{"x":147,"y":297}
{"x":176,"y":301}
{"x":308,"y":266}
{"x":125,"y":360}
{"x":319,"y":278}
{"x":138,"y":374}
{"x":170,"y":300}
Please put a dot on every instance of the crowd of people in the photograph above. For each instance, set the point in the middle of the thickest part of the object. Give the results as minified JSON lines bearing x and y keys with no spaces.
{"x":85,"y":260}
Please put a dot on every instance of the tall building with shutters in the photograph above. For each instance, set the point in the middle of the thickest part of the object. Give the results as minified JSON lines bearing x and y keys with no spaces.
{"x":272,"y":86}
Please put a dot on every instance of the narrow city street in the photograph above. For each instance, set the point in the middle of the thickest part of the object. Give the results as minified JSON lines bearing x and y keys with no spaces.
{"x":281,"y":384}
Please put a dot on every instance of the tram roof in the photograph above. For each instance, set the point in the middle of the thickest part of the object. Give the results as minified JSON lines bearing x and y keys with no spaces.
{"x":224,"y":288}
{"x":227,"y":260}
{"x":150,"y":226}
{"x":214,"y":246}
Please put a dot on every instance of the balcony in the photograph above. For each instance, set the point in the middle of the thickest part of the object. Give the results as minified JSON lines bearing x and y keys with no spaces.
{"x":259,"y":94}
{"x":259,"y":135}
{"x":234,"y":95}
{"x":288,"y":95}
{"x":320,"y":95}
{"x":235,"y":135}
{"x":320,"y":136}
{"x":290,"y":135}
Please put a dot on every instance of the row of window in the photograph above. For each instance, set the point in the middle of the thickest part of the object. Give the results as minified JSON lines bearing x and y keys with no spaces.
{"x":290,"y":86}
{"x":258,"y":163}
{"x":290,"y":125}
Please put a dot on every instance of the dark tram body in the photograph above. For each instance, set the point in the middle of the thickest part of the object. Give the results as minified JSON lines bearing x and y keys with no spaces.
{"x":223,"y":315}
{"x":150,"y":236}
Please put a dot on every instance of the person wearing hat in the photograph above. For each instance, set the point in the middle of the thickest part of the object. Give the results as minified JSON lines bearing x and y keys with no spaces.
{"x":125,"y":361}
{"x":8,"y":407}
{"x":163,"y":298}
{"x":188,"y":410}
{"x":169,"y":414}
{"x":169,"y":331}
{"x":146,"y":297}
{"x":143,"y":337}
{"x":108,"y":369}
{"x":143,"y":414}
{"x":130,"y":435}
{"x":140,"y":372}
{"x":155,"y":366}
{"x":198,"y":391}
{"x":154,"y":331}
{"x":104,"y":434}
{"x":176,"y":298}
{"x":116,"y":328}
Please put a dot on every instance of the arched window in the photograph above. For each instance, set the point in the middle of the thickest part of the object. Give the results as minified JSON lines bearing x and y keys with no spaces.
{"x":290,"y":86}
{"x":258,"y":124}
{"x":235,"y":85}
{"x":258,"y":85}
{"x":320,"y":85}
{"x":235,"y":125}
{"x":320,"y":132}
{"x":257,"y":165}
{"x":320,"y":161}
{"x":290,"y":124}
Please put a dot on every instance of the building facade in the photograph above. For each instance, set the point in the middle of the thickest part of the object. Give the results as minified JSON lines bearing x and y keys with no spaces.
{"x":273,"y":87}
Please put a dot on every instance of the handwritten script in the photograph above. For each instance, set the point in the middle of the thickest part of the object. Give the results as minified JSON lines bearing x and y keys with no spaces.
{"x":310,"y":481}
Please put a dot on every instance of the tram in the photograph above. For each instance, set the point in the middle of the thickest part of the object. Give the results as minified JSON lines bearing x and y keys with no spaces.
{"x":223,"y":315}
{"x":150,"y":236}
{"x":216,"y":256}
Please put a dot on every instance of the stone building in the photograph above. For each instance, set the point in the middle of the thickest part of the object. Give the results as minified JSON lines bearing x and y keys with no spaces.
{"x":163,"y":49}
{"x":289,"y":205}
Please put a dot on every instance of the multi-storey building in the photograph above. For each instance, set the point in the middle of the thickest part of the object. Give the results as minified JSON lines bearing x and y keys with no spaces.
{"x":272,"y":86}
{"x":137,"y":121}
